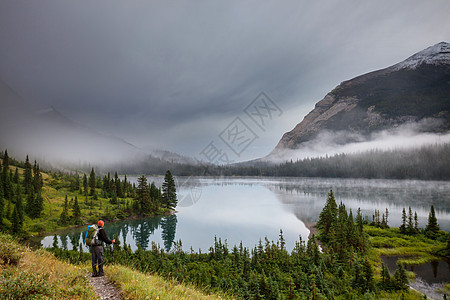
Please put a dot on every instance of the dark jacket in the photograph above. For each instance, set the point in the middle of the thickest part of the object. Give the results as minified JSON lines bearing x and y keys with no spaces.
{"x":102,"y":236}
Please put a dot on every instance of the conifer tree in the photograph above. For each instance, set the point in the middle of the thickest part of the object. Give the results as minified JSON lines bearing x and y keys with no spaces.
{"x":8,"y":212}
{"x":385,"y":277}
{"x":327,"y":216}
{"x":15,"y":220}
{"x":155,"y":196}
{"x":8,"y":190}
{"x":400,"y":278}
{"x":432,"y":228}
{"x":55,"y":242}
{"x":27,"y":176}
{"x":359,"y":220}
{"x":169,"y":194}
{"x":5,"y":167}
{"x":387,"y":216}
{"x":85,"y":185}
{"x":143,"y":195}
{"x":403,"y":225}
{"x":37,"y":178}
{"x":76,"y":212}
{"x":19,"y":207}
{"x":30,"y":206}
{"x":64,"y":217}
{"x":39,"y":202}
{"x":416,"y":222}
{"x":410,"y":228}
{"x":92,"y":183}
{"x":2,"y":205}
{"x":368,"y":275}
{"x":16,"y":176}
{"x":118,"y":186}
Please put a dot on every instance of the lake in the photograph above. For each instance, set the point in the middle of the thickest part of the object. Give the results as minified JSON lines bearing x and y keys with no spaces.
{"x":248,"y":209}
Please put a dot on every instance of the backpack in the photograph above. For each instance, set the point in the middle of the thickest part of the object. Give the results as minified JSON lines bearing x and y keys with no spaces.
{"x":91,"y":238}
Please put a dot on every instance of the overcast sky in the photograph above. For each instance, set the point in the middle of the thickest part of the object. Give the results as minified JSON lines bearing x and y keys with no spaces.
{"x":174,"y":74}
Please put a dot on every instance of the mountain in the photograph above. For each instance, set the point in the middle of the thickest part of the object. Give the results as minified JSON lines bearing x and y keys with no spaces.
{"x":414,"y":91}
{"x":48,"y":135}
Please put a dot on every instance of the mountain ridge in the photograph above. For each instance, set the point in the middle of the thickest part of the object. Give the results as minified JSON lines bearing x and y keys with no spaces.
{"x":412,"y":90}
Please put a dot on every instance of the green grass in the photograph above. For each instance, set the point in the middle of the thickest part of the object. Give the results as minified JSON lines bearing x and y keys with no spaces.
{"x":413,"y":249}
{"x":54,"y":191}
{"x":137,"y":285}
{"x":25,"y":274}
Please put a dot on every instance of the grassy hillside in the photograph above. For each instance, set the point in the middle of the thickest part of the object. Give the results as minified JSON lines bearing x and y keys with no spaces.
{"x":25,"y":274}
{"x":56,"y":186}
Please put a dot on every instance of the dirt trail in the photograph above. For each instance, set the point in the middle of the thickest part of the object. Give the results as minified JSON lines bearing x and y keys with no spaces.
{"x":104,"y":288}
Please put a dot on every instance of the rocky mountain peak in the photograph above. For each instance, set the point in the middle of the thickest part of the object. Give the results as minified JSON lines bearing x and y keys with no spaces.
{"x":436,"y":54}
{"x":415,"y":89}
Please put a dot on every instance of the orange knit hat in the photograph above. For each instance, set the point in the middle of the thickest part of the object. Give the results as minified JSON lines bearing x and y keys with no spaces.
{"x":101,"y":223}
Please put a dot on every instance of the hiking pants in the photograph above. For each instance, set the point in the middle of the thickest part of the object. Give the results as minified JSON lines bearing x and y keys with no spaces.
{"x":97,"y":257}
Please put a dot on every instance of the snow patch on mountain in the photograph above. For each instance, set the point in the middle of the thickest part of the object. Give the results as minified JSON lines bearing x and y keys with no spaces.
{"x":434,"y":55}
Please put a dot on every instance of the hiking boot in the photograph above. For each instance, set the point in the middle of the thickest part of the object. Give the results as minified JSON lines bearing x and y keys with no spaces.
{"x":100,"y":274}
{"x":94,"y":274}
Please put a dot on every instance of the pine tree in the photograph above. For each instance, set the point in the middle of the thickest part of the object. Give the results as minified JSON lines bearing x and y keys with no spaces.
{"x":387,"y":216}
{"x":169,"y":195}
{"x":30,"y":206}
{"x":118,"y":186}
{"x":385,"y":277}
{"x":92,"y":183}
{"x":55,"y":242}
{"x":85,"y":185}
{"x":8,"y":190}
{"x":410,"y":228}
{"x":27,"y":176}
{"x":400,"y":278}
{"x":19,"y":207}
{"x":37,"y":178}
{"x":403,"y":226}
{"x":2,"y":205}
{"x":368,"y":275}
{"x":432,"y":228}
{"x":16,"y":176}
{"x":16,"y":226}
{"x":64,"y":217}
{"x":39,"y":202}
{"x":327,"y":216}
{"x":359,"y":220}
{"x":143,"y":195}
{"x":416,"y":222}
{"x":76,"y":212}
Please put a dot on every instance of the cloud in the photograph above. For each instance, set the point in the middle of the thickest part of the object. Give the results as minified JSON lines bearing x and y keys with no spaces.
{"x":406,"y":136}
{"x":138,"y":68}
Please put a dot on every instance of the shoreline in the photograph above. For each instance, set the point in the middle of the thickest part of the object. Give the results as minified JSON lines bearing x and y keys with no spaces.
{"x":132,"y":217}
{"x":312,"y":229}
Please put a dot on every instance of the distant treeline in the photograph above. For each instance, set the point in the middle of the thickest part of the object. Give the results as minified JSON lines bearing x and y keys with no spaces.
{"x":425,"y":163}
{"x":430,"y":162}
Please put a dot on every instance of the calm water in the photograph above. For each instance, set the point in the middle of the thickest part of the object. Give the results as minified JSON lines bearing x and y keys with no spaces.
{"x":250,"y":209}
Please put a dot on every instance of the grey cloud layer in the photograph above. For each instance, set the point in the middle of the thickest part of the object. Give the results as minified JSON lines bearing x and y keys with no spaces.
{"x":138,"y":67}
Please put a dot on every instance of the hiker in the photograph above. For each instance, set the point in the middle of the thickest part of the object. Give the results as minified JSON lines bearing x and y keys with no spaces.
{"x":97,"y":250}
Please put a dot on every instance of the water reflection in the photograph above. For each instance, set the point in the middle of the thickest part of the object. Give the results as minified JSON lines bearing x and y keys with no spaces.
{"x":436,"y":271}
{"x":249,"y":209}
{"x":169,"y":226}
{"x":132,"y":232}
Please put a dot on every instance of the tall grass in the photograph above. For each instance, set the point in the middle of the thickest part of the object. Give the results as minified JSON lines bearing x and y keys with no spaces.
{"x":25,"y":274}
{"x":414,"y":249}
{"x":137,"y":285}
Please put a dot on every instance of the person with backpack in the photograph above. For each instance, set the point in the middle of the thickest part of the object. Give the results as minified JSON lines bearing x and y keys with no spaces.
{"x":95,"y":235}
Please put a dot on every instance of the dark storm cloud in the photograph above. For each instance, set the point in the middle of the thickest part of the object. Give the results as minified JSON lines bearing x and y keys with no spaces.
{"x":136,"y":68}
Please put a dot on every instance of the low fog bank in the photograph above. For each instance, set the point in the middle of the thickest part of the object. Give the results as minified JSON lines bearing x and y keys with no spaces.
{"x":403,"y":137}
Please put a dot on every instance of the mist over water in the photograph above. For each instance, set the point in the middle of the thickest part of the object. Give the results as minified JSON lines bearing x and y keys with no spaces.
{"x":403,"y":137}
{"x":252,"y":208}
